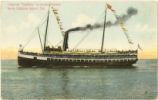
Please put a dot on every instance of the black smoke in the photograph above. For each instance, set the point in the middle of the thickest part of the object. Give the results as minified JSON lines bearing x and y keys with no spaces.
{"x":123,"y":18}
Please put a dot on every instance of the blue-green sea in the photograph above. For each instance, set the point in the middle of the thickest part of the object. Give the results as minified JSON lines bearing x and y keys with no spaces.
{"x":138,"y":82}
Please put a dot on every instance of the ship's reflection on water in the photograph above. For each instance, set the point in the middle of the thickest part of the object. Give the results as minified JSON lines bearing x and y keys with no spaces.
{"x":65,"y":81}
{"x":97,"y":82}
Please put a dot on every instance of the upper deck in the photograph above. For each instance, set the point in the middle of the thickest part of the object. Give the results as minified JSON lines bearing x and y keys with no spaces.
{"x":85,"y":52}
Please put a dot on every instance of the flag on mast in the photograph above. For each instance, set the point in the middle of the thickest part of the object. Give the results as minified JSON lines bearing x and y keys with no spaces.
{"x":108,"y":6}
{"x":55,"y":11}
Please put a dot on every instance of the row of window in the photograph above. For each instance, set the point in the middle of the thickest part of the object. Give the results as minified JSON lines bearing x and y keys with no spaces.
{"x":82,"y":56}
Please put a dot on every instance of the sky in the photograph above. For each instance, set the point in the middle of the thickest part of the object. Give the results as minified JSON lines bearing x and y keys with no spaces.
{"x":20,"y":26}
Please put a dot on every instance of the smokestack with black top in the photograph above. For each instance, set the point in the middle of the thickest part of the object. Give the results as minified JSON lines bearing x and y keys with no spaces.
{"x":65,"y":42}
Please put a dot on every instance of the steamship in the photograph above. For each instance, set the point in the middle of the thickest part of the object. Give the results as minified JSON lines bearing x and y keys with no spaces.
{"x":62,"y":56}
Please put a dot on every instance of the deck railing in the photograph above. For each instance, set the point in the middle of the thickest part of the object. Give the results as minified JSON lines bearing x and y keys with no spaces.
{"x":88,"y":51}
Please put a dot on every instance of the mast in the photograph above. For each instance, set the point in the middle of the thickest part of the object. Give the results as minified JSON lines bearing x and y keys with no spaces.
{"x":45,"y":38}
{"x":40,"y":39}
{"x":103,"y":31}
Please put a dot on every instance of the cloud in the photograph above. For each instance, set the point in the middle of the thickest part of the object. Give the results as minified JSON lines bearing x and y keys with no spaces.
{"x":144,"y":28}
{"x":17,"y":31}
{"x":83,"y":19}
{"x":31,"y":19}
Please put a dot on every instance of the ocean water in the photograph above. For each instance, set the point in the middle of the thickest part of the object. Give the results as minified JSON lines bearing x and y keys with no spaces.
{"x":138,"y":82}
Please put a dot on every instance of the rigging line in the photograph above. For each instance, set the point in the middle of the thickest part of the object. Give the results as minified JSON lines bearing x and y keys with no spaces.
{"x":36,"y":28}
{"x":30,"y":38}
{"x":85,"y":36}
{"x":59,"y":42}
{"x":100,"y":15}
{"x":56,"y":44}
{"x":32,"y":35}
{"x":48,"y":41}
{"x":82,"y":39}
{"x":42,"y":23}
